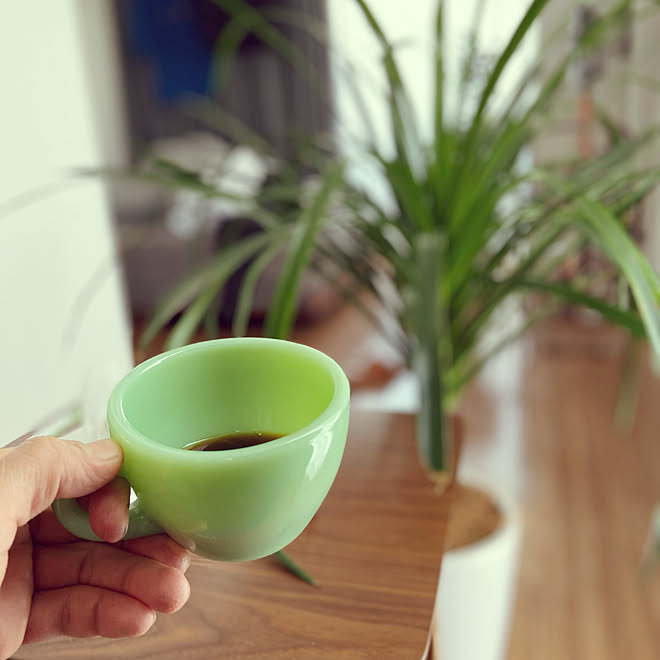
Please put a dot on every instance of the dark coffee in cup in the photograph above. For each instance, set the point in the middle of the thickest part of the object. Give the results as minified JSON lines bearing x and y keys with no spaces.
{"x":233,"y":441}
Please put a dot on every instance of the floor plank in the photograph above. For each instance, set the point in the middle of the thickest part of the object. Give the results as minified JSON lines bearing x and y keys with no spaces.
{"x":588,"y":495}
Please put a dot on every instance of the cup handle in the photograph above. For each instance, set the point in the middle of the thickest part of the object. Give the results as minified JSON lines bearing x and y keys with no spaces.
{"x":76,"y":520}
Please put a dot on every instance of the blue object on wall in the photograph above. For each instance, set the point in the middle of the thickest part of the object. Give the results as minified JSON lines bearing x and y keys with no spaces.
{"x":166,"y":33}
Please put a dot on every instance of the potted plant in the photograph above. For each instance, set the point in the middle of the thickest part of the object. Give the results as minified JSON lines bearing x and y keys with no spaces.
{"x":463,"y":232}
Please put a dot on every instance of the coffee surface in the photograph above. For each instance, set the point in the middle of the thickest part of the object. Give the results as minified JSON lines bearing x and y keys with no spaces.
{"x":233,"y":441}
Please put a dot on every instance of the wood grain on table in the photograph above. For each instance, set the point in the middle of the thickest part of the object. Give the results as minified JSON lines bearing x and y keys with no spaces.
{"x":374,"y":548}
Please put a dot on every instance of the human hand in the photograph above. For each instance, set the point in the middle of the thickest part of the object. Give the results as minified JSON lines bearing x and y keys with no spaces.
{"x":52,"y":583}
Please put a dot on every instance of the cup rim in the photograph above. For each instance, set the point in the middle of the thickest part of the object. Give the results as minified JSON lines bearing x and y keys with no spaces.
{"x":132,"y":436}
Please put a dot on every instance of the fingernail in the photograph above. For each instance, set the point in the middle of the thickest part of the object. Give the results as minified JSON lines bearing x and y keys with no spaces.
{"x":105,"y":451}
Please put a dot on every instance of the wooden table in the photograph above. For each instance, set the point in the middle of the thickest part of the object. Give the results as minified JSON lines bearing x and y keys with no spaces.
{"x":374,"y":548}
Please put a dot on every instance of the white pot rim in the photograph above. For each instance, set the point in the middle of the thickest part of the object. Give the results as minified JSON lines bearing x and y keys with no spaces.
{"x":501,"y":539}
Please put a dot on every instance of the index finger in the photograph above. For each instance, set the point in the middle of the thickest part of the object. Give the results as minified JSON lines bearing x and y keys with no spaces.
{"x":109,"y":507}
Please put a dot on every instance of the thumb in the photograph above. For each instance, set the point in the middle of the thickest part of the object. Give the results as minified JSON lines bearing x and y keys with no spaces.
{"x":45,"y":468}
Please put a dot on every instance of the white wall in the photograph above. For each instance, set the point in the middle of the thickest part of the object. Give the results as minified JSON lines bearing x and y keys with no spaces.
{"x":63,"y":322}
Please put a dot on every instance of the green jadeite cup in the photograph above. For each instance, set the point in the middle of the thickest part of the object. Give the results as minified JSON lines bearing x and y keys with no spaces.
{"x":238,"y":504}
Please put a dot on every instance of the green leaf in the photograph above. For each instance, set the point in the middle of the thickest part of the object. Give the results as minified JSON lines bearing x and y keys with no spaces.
{"x":629,"y":386}
{"x":514,"y":130}
{"x":211,"y":322}
{"x":355,"y":295}
{"x":468,"y":70}
{"x":409,"y":147}
{"x":291,"y":566}
{"x":246,"y":19}
{"x":354,"y":86}
{"x":467,"y":331}
{"x":249,"y":285}
{"x":189,"y":289}
{"x":467,"y":365}
{"x":190,"y":320}
{"x":281,"y":314}
{"x":185,"y":178}
{"x":165,"y":174}
{"x":519,"y":34}
{"x":225,"y":123}
{"x":431,"y":352}
{"x":623,"y":317}
{"x":356,"y":265}
{"x":409,"y":195}
{"x":605,"y":230}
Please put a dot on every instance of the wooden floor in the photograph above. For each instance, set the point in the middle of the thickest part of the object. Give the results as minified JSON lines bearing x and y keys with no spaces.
{"x":540,"y":422}
{"x":587,"y":495}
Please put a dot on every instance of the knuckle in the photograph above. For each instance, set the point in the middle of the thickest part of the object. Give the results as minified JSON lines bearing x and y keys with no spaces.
{"x":34,"y":481}
{"x":41,"y":445}
{"x":131,"y":574}
{"x":47,"y":444}
{"x":176,"y":591}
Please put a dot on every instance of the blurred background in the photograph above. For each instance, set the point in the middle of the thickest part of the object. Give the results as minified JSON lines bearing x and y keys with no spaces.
{"x":102,"y":85}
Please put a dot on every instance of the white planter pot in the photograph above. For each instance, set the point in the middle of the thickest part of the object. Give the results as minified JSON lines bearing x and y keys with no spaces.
{"x":476,"y":592}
